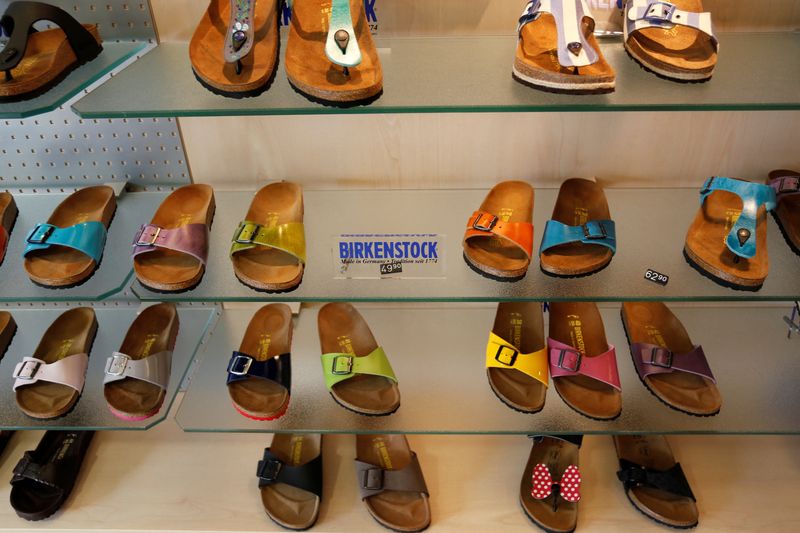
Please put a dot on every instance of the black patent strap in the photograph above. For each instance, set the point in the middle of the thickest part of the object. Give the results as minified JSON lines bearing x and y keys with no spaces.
{"x":577,"y":440}
{"x":242,"y":366}
{"x":308,"y":476}
{"x":672,"y":480}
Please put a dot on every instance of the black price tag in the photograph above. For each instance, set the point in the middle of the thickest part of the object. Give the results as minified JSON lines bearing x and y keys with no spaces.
{"x":656,"y":277}
{"x":395,"y":267}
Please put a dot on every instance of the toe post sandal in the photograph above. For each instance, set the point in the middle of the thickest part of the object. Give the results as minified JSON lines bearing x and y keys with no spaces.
{"x":727,"y":241}
{"x":8,"y":216}
{"x":8,"y":328}
{"x":786,"y":184}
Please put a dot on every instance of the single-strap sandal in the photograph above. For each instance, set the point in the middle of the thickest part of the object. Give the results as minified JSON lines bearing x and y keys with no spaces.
{"x":654,"y":483}
{"x":8,"y":328}
{"x":49,"y":383}
{"x":727,"y":240}
{"x":170,"y":253}
{"x":8,"y":216}
{"x":136,"y":377}
{"x":786,"y":184}
{"x":516,"y":356}
{"x":498,"y":241}
{"x":234,"y":49}
{"x":668,"y":364}
{"x":356,"y":369}
{"x":391,"y":482}
{"x":582,"y":363}
{"x":66,"y":250}
{"x":557,"y":50}
{"x":580,"y":239}
{"x":551,"y":482}
{"x":36,"y":61}
{"x":330,"y":55}
{"x":44,"y":478}
{"x":290,"y":480}
{"x":673,"y":40}
{"x":269,"y":247}
{"x":260,"y":372}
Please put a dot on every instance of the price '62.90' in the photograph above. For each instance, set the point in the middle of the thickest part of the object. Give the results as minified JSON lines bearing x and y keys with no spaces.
{"x":656,"y":277}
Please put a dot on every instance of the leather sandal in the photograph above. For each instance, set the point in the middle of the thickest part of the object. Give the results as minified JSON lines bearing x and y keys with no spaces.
{"x":8,"y":328}
{"x":260,"y":372}
{"x":67,"y":249}
{"x":516,"y":356}
{"x":391,"y":482}
{"x":356,"y":369}
{"x":786,"y":184}
{"x":8,"y":216}
{"x":668,"y":364}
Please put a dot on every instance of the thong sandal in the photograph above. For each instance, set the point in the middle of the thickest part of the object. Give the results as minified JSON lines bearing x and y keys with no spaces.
{"x":498,"y":241}
{"x":36,"y":61}
{"x":136,"y":377}
{"x":67,"y":249}
{"x":49,"y":384}
{"x":654,"y":483}
{"x":582,"y":363}
{"x":391,"y":482}
{"x":668,"y":364}
{"x":674,"y":40}
{"x":727,"y":240}
{"x":330,"y":55}
{"x":170,"y":253}
{"x":580,"y":239}
{"x":290,"y":479}
{"x":786,"y":184}
{"x":259,"y":374}
{"x":269,"y":247}
{"x":8,"y":216}
{"x":557,"y":50}
{"x":8,"y":328}
{"x":516,"y":356}
{"x":357,"y":371}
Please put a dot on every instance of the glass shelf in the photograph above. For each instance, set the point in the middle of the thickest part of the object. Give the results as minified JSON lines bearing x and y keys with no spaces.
{"x":651,"y":229}
{"x":465,"y":74}
{"x":437,"y":352}
{"x":113,"y":55}
{"x":91,"y":412}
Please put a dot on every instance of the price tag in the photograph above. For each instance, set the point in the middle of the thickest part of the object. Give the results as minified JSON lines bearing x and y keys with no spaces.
{"x":656,"y":277}
{"x":395,"y":267}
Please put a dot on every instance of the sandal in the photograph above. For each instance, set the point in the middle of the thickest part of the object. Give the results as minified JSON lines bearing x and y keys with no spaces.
{"x":36,"y":61}
{"x":557,"y":50}
{"x":67,"y":249}
{"x":581,"y":238}
{"x":8,"y":216}
{"x":136,"y":377}
{"x":269,"y":247}
{"x":49,"y":384}
{"x":330,"y":55}
{"x":786,"y":184}
{"x":727,"y":241}
{"x":517,"y":369}
{"x":654,"y":483}
{"x":498,"y":241}
{"x":290,"y":479}
{"x":44,"y":478}
{"x":668,"y":364}
{"x":260,"y":373}
{"x":170,"y":253}
{"x":8,"y":328}
{"x":673,"y":40}
{"x":357,"y":371}
{"x":582,"y":363}
{"x":391,"y":482}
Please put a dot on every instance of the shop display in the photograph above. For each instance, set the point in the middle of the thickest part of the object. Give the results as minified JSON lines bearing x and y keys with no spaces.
{"x":8,"y":328}
{"x":8,"y":216}
{"x":786,"y":184}
{"x":260,"y":372}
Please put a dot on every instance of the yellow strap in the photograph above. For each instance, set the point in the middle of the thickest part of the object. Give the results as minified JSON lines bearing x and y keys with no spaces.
{"x":502,"y":354}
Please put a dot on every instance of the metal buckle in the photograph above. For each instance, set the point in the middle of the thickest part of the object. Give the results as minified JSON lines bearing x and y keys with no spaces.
{"x":511,"y":359}
{"x":270,"y":470}
{"x":33,"y":238}
{"x":655,"y":361}
{"x":153,"y":237}
{"x":578,"y":358}
{"x":587,"y":233}
{"x":239,"y":239}
{"x":338,"y":370}
{"x":239,"y":365}
{"x":372,"y":479}
{"x":660,"y":11}
{"x":484,"y":227}
{"x":28,"y":370}
{"x":116,"y":364}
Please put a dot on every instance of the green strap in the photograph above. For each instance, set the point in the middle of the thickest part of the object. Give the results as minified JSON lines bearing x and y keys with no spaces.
{"x":289,"y":238}
{"x":338,"y":367}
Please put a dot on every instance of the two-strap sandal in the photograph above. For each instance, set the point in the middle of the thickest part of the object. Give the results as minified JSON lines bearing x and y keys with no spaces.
{"x":8,"y":328}
{"x":8,"y":216}
{"x":786,"y":184}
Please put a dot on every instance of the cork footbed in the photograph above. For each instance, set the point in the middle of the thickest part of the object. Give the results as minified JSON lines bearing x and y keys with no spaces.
{"x":521,"y":324}
{"x":653,"y":451}
{"x":654,"y":323}
{"x":787,"y":213}
{"x":580,"y":325}
{"x":268,"y":268}
{"x":578,"y":202}
{"x":8,"y":327}
{"x":206,"y":49}
{"x":268,"y":335}
{"x":154,"y":330}
{"x":706,"y":248}
{"x":342,"y":329}
{"x":289,"y":506}
{"x":71,"y":333}
{"x":8,"y":216}
{"x":309,"y":69}
{"x":510,"y":201}
{"x":59,"y":266}
{"x":170,"y":270}
{"x":397,"y":510}
{"x":557,"y":455}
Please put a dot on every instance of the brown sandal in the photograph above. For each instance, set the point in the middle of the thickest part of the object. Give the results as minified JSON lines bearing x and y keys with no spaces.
{"x":8,"y":216}
{"x":786,"y":184}
{"x":8,"y":327}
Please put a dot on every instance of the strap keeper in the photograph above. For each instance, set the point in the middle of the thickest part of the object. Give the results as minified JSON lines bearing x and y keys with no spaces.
{"x":343,"y":368}
{"x":28,"y":370}
{"x":658,"y":11}
{"x":239,"y":365}
{"x":151,"y":238}
{"x":40,"y":234}
{"x":269,"y":470}
{"x":372,"y":479}
{"x":594,"y":230}
{"x":252,"y":233}
{"x":562,"y":353}
{"x":665,"y":361}
{"x":480,"y":225}
{"x":116,"y":364}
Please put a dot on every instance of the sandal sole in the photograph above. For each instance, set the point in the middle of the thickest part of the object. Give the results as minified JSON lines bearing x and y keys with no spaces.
{"x":719,"y":280}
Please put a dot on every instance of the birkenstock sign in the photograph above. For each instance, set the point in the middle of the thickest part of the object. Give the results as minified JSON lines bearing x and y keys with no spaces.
{"x":375,"y":256}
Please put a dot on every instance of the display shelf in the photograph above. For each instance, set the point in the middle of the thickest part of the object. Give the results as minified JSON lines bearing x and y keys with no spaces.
{"x":465,"y":74}
{"x":651,"y":229}
{"x":91,"y":411}
{"x":437,"y":352}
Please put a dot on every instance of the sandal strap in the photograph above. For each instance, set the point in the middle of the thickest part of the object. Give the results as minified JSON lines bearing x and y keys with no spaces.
{"x":503,"y":354}
{"x":642,"y":14}
{"x":374,"y":480}
{"x":86,"y":237}
{"x":600,"y":232}
{"x":289,"y":237}
{"x":191,"y":239}
{"x":574,"y":50}
{"x":341,"y":45}
{"x":565,"y":360}
{"x":483,"y":224}
{"x":785,"y":185}
{"x":240,"y":36}
{"x":651,"y":359}
{"x":307,"y":476}
{"x":278,"y":369}
{"x":339,"y":367}
{"x":673,"y":480}
{"x":69,"y":371}
{"x":3,"y":242}
{"x":153,"y":369}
